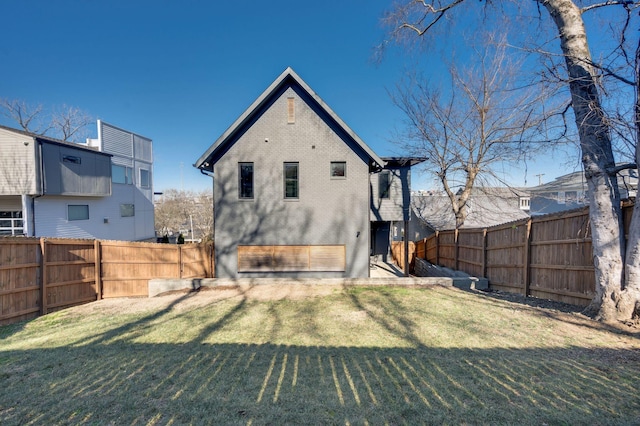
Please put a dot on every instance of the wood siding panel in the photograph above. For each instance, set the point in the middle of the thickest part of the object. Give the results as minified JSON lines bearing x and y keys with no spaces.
{"x":328,"y":258}
{"x":320,"y":258}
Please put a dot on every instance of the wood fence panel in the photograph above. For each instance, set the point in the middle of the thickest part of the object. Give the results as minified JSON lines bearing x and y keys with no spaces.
{"x":505,"y":251}
{"x":447,"y":249}
{"x":397,"y":253}
{"x":471,"y":251}
{"x":127,"y":267}
{"x":562,"y":258}
{"x":196,"y":260}
{"x":69,"y":276}
{"x":432,"y":249}
{"x":19,"y":279}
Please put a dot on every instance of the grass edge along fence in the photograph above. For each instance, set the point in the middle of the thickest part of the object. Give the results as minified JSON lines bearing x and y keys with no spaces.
{"x":549,"y":257}
{"x":40,"y":275}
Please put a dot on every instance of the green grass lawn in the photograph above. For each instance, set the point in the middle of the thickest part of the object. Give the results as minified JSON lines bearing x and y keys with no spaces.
{"x":374,"y":355}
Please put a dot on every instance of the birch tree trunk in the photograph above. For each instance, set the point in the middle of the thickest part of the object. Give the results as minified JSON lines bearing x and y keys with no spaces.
{"x":597,"y":159}
{"x":629,"y":306}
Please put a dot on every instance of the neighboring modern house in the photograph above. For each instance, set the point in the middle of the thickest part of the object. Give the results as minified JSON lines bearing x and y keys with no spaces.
{"x":486,"y":207}
{"x":98,"y":189}
{"x":569,"y":192}
{"x":295,"y":189}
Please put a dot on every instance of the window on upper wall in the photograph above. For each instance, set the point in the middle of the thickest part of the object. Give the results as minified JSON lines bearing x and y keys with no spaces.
{"x":245,"y":180}
{"x":145,"y":178}
{"x":338,"y":170}
{"x":127,"y":210}
{"x":291,"y":180}
{"x":384,"y":184}
{"x":121,"y":174}
{"x":78,"y":212}
{"x":73,"y":159}
{"x":291,"y":111}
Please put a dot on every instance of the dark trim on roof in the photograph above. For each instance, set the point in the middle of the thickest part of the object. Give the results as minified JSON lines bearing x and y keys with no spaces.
{"x":287,"y":78}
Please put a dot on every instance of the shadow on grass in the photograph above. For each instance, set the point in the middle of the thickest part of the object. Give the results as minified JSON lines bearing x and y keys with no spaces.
{"x":213,"y":384}
{"x":112,"y":378}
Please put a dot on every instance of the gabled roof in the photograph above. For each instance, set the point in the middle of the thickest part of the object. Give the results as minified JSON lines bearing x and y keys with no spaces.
{"x":484,"y":211}
{"x":288,"y":77}
{"x":575,"y":181}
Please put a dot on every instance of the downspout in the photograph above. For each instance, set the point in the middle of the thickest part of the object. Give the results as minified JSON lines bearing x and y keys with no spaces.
{"x":40,"y":182}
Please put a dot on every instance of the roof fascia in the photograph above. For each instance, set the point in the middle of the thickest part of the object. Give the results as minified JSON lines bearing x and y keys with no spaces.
{"x":264,"y":98}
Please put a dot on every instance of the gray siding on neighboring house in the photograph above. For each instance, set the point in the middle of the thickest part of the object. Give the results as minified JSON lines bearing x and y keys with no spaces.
{"x":18,"y":165}
{"x":329,"y":211}
{"x":73,"y":171}
{"x":396,"y":207}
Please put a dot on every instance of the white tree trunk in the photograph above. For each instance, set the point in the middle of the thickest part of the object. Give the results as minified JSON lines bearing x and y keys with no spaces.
{"x":597,"y":159}
{"x":629,"y":306}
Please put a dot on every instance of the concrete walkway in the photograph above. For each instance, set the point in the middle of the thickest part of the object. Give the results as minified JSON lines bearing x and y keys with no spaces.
{"x":382,"y":269}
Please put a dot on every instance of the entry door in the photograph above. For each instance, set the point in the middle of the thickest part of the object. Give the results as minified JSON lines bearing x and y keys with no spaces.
{"x":380,"y":239}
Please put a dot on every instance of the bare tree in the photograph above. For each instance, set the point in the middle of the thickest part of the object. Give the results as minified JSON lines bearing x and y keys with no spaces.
{"x":64,"y":123}
{"x":69,"y":122}
{"x":617,"y":263}
{"x":484,"y":121}
{"x":30,"y":118}
{"x":178,"y":209}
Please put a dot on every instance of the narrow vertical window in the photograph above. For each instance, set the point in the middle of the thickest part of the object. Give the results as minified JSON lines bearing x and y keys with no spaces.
{"x":384,"y":182}
{"x":145,"y":178}
{"x":245,"y":184}
{"x":291,"y":111}
{"x":291,"y":181}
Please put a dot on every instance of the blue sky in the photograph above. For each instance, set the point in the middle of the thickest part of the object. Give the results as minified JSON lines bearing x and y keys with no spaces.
{"x":181,"y":72}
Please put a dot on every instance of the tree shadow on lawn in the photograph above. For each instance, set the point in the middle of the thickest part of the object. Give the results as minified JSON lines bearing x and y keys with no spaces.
{"x":126,"y":383}
{"x":112,"y":378}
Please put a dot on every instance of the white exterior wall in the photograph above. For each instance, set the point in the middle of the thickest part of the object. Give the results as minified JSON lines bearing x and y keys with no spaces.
{"x":52,"y":212}
{"x":18,"y":168}
{"x":135,"y":151}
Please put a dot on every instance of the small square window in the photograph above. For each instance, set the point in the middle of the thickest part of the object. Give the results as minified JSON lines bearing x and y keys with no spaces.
{"x":127,"y":210}
{"x":338,"y":169}
{"x":78,"y":212}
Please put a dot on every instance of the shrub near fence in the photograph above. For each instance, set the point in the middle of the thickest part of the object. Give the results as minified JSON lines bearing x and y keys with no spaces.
{"x":41,"y":275}
{"x":546,"y":256}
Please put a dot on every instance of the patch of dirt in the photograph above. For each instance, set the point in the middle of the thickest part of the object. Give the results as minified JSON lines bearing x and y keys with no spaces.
{"x":574,"y":312}
{"x":185,"y":299}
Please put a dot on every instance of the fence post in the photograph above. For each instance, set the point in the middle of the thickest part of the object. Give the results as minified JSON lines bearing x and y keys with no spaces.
{"x":179,"y":261}
{"x":527,"y":260}
{"x":484,"y":253}
{"x":98,"y":268}
{"x":438,"y":248}
{"x":455,"y":253}
{"x":43,"y":282}
{"x":425,"y":248}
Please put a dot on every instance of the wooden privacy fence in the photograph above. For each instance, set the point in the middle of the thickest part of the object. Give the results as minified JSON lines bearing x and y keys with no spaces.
{"x":41,"y":275}
{"x":546,"y":256}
